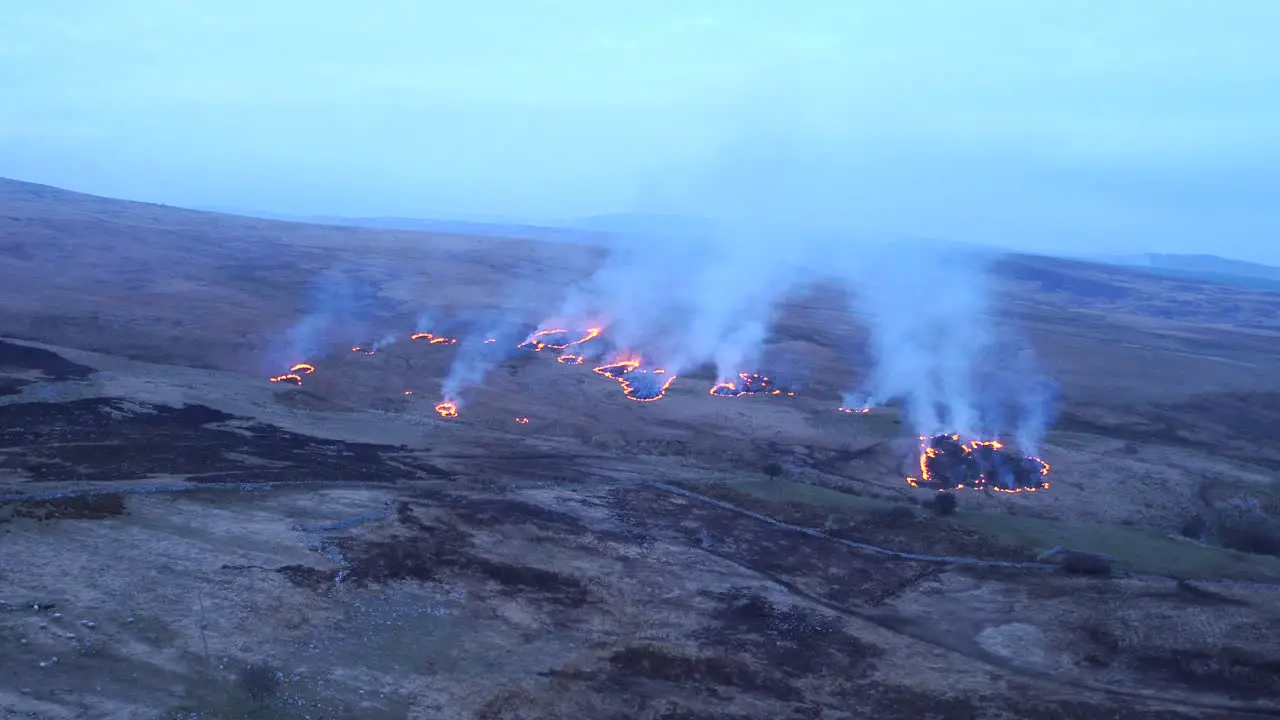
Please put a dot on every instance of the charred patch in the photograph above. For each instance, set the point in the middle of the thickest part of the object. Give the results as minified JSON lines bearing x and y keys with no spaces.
{"x":80,"y":507}
{"x":654,"y":663}
{"x":104,"y":439}
{"x":306,"y":576}
{"x":52,"y":365}
{"x":795,"y":641}
{"x":421,"y":556}
{"x":1225,"y":671}
{"x":1058,"y":709}
{"x":563,"y":589}
{"x":426,"y":552}
{"x":12,"y":385}
{"x":948,"y":463}
{"x":504,"y":511}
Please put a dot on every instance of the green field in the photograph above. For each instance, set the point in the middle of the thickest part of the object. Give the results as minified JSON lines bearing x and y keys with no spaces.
{"x":1135,"y":549}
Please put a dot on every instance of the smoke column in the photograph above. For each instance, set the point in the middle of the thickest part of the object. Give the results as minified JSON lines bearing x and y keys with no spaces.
{"x":336,"y":305}
{"x":488,"y":338}
{"x":927,"y":313}
{"x":936,"y":346}
{"x":720,"y":243}
{"x":476,"y":358}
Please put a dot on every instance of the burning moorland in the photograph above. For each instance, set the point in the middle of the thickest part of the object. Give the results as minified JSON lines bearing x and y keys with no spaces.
{"x":654,"y":333}
{"x":949,"y":463}
{"x":944,"y":461}
{"x":546,"y":492}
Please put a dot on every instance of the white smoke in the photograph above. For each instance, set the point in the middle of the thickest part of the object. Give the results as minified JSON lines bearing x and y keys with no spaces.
{"x":937,"y":346}
{"x":475,"y":359}
{"x":337,"y":306}
{"x":385,"y":340}
{"x":488,"y":338}
{"x":928,"y":317}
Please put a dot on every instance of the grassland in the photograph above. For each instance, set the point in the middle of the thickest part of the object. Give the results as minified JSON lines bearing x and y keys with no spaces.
{"x":184,"y":539}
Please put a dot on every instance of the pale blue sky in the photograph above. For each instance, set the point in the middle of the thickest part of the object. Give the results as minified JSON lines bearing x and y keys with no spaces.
{"x":1085,"y":125}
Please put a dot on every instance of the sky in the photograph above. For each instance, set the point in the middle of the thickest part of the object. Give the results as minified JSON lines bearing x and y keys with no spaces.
{"x":1063,"y":127}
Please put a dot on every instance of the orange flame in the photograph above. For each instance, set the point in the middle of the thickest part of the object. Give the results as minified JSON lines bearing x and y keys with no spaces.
{"x":490,"y":340}
{"x":408,"y":392}
{"x":748,"y":384}
{"x":622,"y":369}
{"x":855,"y":411}
{"x":540,"y":345}
{"x":447,"y":409}
{"x":289,"y":378}
{"x":522,"y":420}
{"x":366,"y":351}
{"x":570,"y":359}
{"x":928,"y":452}
{"x":434,"y":339}
{"x":303,"y":368}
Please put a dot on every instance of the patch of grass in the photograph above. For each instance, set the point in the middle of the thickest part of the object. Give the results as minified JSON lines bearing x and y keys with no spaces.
{"x":879,"y":423}
{"x":788,"y":491}
{"x":1134,"y":549}
{"x":258,"y":692}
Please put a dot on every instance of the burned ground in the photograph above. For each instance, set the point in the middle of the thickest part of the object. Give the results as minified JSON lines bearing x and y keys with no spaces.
{"x":96,"y":506}
{"x":22,"y":366}
{"x":422,"y":551}
{"x":109,"y":439}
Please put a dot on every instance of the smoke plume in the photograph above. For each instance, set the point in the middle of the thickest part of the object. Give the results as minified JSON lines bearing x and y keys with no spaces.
{"x":937,"y":346}
{"x":487,"y":337}
{"x":336,"y":311}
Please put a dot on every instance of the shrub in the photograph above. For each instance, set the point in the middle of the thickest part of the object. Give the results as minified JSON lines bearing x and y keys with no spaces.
{"x":1195,"y":527}
{"x":773,"y":469}
{"x":899,"y":515}
{"x":945,"y":503}
{"x":1252,"y":533}
{"x":259,"y":681}
{"x":1080,"y":563}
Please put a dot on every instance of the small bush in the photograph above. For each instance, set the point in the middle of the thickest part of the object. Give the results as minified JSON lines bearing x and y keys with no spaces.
{"x":773,"y":470}
{"x":898,"y":515}
{"x":259,"y":681}
{"x":1079,"y":563}
{"x":1256,"y":534}
{"x":945,"y":503}
{"x":1195,"y":527}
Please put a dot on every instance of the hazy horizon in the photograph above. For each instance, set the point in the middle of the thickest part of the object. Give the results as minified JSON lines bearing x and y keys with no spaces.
{"x":1142,"y":127}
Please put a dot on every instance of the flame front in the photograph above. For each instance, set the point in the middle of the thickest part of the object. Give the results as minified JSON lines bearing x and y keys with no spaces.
{"x":570,"y":359}
{"x":627,"y":372}
{"x":447,"y":409}
{"x":748,"y":384}
{"x":855,"y":411}
{"x":294,"y":376}
{"x":522,"y":420}
{"x":432,"y":338}
{"x":537,"y":345}
{"x":972,"y":464}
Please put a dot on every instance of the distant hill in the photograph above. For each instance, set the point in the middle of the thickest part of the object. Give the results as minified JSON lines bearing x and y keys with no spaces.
{"x":442,"y":227}
{"x":1210,"y":268}
{"x":648,"y":224}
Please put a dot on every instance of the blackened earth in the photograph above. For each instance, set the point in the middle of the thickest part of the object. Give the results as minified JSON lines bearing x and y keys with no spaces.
{"x":957,"y":466}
